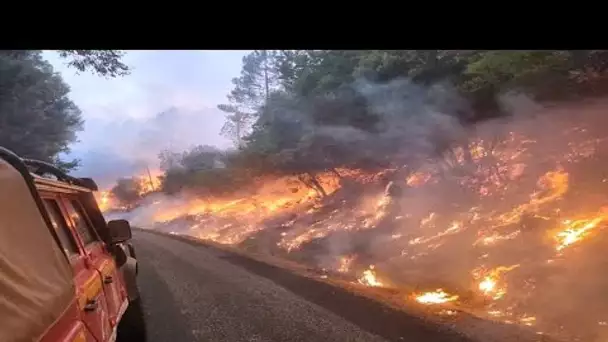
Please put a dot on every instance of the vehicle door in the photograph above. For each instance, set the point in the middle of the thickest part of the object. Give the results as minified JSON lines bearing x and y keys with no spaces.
{"x":90,"y":295}
{"x":100,"y":258}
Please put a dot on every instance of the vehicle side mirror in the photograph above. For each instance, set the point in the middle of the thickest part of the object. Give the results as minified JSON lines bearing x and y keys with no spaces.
{"x":120,"y":231}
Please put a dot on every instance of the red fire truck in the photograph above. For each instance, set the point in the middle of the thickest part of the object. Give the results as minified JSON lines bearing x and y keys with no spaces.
{"x":65,"y":273}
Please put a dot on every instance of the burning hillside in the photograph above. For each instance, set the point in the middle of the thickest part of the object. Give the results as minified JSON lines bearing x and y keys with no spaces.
{"x":508,"y":224}
{"x":129,"y":191}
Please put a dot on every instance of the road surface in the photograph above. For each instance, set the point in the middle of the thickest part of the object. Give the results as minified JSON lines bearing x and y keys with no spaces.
{"x":195,"y":292}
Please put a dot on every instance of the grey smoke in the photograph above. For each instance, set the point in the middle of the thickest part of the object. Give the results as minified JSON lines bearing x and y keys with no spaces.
{"x":111,"y":150}
{"x":414,"y":121}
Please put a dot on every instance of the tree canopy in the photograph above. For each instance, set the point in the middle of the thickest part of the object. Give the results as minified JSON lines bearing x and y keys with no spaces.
{"x":37,"y":118}
{"x":106,"y":63}
{"x":308,"y":111}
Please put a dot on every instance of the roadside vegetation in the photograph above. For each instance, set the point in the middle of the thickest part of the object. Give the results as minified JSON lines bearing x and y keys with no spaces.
{"x":305,"y":112}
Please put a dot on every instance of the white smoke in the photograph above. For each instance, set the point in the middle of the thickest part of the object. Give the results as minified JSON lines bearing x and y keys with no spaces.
{"x":125,"y":148}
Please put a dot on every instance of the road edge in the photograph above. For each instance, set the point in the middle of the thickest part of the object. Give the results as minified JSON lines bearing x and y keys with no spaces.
{"x":464,"y":324}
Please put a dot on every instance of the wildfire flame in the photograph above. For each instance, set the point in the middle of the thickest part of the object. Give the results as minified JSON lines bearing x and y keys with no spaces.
{"x":369,"y":278}
{"x":491,"y":215}
{"x":345,"y":263}
{"x":490,"y":284}
{"x":104,"y":200}
{"x":576,"y":230}
{"x":149,"y":181}
{"x":438,"y":296}
{"x":454,"y":228}
{"x":495,"y":238}
{"x":418,"y":178}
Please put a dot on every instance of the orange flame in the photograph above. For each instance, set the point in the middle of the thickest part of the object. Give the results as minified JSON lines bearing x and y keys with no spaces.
{"x":345,"y":263}
{"x":576,"y":230}
{"x":438,"y":296}
{"x":490,"y":285}
{"x":501,"y":186}
{"x":369,"y":278}
{"x":149,"y":182}
{"x":103,"y":200}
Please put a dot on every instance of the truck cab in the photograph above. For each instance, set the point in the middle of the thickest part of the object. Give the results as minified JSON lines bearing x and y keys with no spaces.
{"x":66,"y":274}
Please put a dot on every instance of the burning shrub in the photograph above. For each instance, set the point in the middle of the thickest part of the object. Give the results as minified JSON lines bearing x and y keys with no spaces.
{"x":127,"y":191}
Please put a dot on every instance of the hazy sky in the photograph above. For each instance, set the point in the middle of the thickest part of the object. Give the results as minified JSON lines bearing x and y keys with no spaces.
{"x":121,"y":114}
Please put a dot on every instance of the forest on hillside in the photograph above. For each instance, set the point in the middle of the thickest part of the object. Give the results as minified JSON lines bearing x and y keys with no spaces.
{"x":466,"y":178}
{"x":499,"y":207}
{"x":305,"y":112}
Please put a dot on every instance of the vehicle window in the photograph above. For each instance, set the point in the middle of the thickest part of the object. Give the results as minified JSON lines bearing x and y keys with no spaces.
{"x":68,"y":244}
{"x":85,"y":231}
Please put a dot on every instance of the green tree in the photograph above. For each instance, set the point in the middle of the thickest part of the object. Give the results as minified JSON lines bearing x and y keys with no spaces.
{"x":251,"y":90}
{"x":202,"y":157}
{"x":236,"y":125}
{"x":258,"y":78}
{"x":510,"y":69}
{"x":169,"y":160}
{"x":37,"y":118}
{"x":204,"y":170}
{"x":106,"y":63}
{"x":302,"y":112}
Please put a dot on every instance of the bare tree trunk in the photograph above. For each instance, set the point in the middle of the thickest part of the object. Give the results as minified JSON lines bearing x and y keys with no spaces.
{"x":309,"y":185}
{"x":150,"y":178}
{"x":312,"y":183}
{"x":335,"y":172}
{"x":313,"y":180}
{"x":238,"y":128}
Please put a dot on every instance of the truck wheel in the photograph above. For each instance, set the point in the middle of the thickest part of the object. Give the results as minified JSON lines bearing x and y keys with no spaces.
{"x":132,"y":326}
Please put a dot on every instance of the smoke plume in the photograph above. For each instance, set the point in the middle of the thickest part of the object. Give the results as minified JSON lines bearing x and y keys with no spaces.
{"x":126,"y":148}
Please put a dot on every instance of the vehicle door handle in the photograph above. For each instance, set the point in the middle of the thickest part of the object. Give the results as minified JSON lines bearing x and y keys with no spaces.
{"x":108,"y":280}
{"x":91,"y":305}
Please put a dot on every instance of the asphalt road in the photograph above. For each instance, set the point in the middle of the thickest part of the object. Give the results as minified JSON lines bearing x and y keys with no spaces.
{"x":195,"y":292}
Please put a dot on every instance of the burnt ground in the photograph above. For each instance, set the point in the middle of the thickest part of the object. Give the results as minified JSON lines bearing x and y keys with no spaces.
{"x":196,"y":292}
